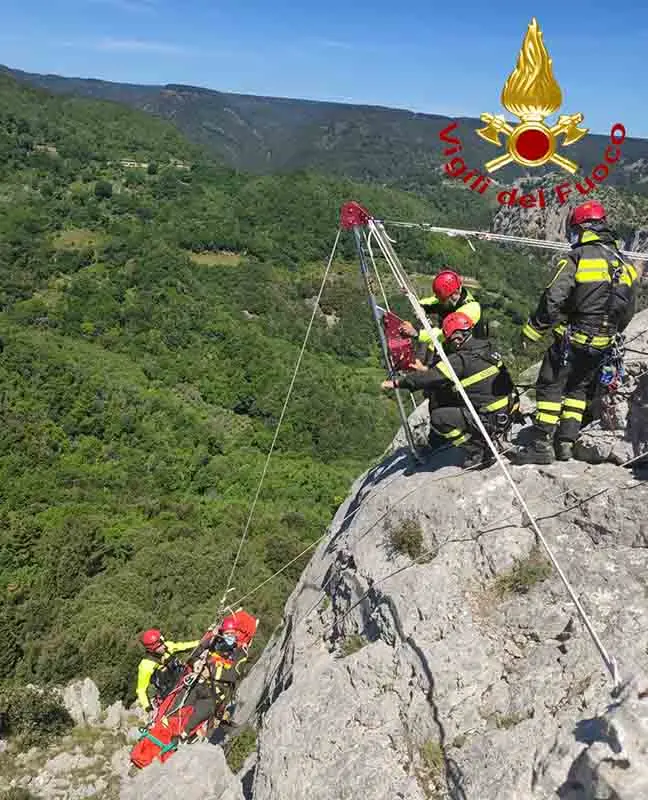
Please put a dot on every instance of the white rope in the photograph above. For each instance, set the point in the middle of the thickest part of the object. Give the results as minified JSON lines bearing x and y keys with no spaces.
{"x":401,"y":277}
{"x":283,"y":410}
{"x":375,"y":269}
{"x":384,"y":294}
{"x":503,"y":237}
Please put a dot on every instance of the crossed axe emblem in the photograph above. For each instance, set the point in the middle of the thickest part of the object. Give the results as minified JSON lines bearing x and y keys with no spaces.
{"x":567,"y":124}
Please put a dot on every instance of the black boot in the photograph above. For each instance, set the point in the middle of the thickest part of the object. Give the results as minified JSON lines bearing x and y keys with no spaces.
{"x":564,"y":450}
{"x":477,"y":454}
{"x":540,"y":451}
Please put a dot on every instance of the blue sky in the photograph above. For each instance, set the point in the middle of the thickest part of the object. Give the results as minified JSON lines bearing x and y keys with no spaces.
{"x":437,"y":56}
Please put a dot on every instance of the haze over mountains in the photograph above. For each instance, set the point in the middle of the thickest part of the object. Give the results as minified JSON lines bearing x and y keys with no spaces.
{"x":392,"y":146}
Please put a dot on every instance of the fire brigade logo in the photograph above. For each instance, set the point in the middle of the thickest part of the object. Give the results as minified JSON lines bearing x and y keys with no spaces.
{"x":532,"y":94}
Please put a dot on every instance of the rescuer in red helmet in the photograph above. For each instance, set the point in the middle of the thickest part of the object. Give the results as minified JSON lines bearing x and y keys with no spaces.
{"x":159,"y":669}
{"x":587,"y":305}
{"x":449,"y":295}
{"x":486,"y":381}
{"x":218,"y":663}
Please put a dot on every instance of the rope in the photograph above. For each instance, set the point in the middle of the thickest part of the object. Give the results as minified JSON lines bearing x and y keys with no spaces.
{"x":401,"y":277}
{"x":384,"y":295}
{"x":375,"y":269}
{"x":431,"y":551}
{"x":502,"y":237}
{"x":283,"y":411}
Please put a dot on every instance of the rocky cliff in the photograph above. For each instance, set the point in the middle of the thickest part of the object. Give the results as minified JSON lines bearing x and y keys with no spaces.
{"x":430,"y":650}
{"x":627,"y":212}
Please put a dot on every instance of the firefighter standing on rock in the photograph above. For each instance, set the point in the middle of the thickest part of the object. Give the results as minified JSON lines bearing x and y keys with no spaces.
{"x":588,"y":304}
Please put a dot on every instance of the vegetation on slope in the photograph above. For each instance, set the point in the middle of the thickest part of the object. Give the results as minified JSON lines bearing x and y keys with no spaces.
{"x":152,"y":317}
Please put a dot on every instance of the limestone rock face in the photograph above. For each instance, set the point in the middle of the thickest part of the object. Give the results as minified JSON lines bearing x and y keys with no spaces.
{"x":465,"y":673}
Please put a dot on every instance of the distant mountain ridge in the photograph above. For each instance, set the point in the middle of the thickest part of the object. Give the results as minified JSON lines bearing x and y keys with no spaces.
{"x":370,"y":143}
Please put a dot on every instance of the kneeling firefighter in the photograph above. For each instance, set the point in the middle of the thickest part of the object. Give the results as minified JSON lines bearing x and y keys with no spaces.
{"x":588,"y":304}
{"x":449,"y":295}
{"x":486,"y":381}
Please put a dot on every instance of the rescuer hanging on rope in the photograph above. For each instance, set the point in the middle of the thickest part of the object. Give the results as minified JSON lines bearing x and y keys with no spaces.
{"x":486,"y":381}
{"x":160,"y":668}
{"x":217,"y":664}
{"x":588,"y":304}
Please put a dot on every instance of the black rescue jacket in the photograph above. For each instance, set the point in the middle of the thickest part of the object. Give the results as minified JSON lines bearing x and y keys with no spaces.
{"x":480,"y":370}
{"x":594,"y":292}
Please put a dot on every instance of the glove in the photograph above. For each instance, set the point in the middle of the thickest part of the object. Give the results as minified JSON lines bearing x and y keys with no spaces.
{"x":524,"y":342}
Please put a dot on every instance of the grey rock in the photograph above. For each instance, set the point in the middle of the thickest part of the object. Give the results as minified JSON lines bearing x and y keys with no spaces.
{"x":81,"y":699}
{"x":421,"y":678}
{"x":606,"y":754}
{"x":133,"y":734}
{"x":116,"y":716}
{"x":120,"y":762}
{"x":194,"y":772}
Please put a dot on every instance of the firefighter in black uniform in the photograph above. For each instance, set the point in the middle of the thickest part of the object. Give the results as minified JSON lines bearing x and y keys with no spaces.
{"x":486,"y":381}
{"x":589,"y":302}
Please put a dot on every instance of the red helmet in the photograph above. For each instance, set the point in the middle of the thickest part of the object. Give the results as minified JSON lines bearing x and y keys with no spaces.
{"x":229,"y":625}
{"x":456,"y":322}
{"x":152,"y":638}
{"x":588,"y":212}
{"x":446,"y":283}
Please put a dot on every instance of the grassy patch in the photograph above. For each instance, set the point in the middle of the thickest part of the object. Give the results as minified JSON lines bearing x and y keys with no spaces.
{"x":17,"y":793}
{"x":352,"y":644}
{"x":242,"y":746}
{"x":76,"y":238}
{"x":507,"y":721}
{"x":217,"y":259}
{"x":431,"y":772}
{"x":525,"y":574}
{"x":405,"y":535}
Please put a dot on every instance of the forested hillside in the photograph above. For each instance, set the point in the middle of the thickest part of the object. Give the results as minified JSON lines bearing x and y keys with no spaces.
{"x":152,"y":316}
{"x":392,"y":146}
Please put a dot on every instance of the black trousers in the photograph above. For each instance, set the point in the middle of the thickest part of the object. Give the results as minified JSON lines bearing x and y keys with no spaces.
{"x":562,"y":389}
{"x":207,"y":702}
{"x":455,"y":424}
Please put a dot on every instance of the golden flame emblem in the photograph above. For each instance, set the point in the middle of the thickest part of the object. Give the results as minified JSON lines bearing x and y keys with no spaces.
{"x":532,"y":93}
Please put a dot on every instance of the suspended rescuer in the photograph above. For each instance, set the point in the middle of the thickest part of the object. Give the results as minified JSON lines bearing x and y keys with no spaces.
{"x":588,"y":304}
{"x":218,"y":663}
{"x":160,"y":668}
{"x":449,"y":295}
{"x":485,"y":380}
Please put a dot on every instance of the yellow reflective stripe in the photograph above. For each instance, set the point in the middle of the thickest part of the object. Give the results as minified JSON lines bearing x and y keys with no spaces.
{"x":470,"y":309}
{"x":571,"y":403}
{"x":481,"y":376}
{"x":592,"y":269}
{"x":432,"y":300}
{"x":424,"y":336}
{"x":595,"y":341}
{"x":577,"y":415}
{"x":547,"y":405}
{"x":561,"y":266}
{"x":464,"y":438}
{"x":629,"y":275}
{"x":503,"y":401}
{"x":551,"y":419}
{"x":452,"y":434}
{"x":531,"y":333}
{"x":589,"y":236}
{"x":560,"y":329}
{"x":443,"y":369}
